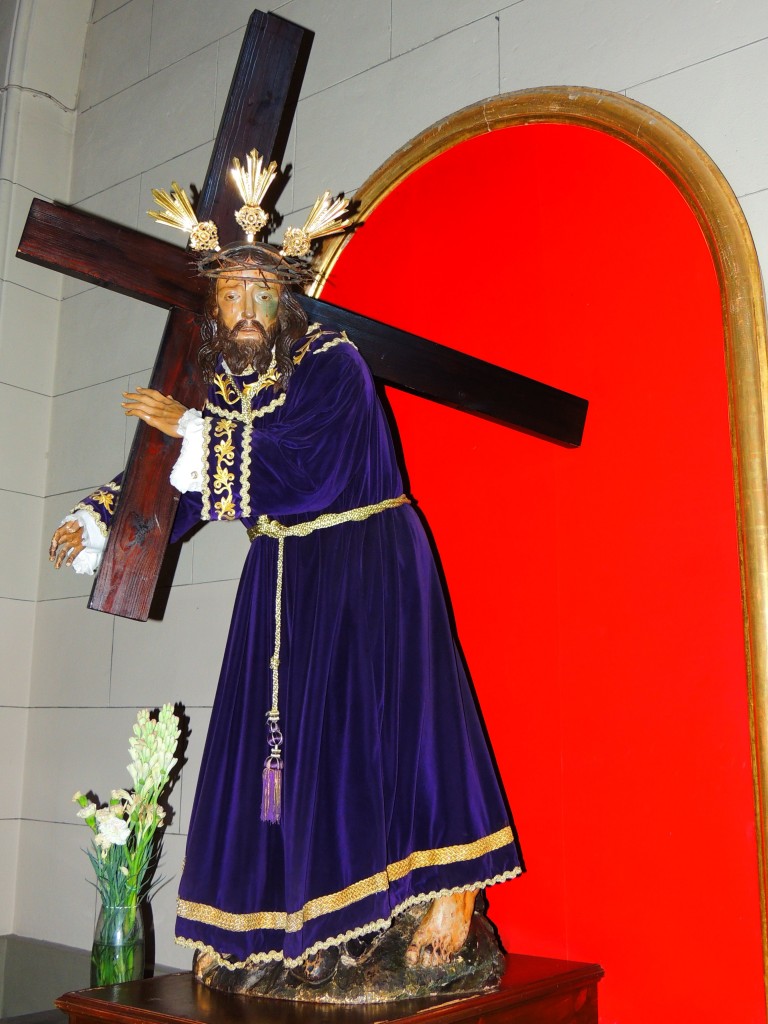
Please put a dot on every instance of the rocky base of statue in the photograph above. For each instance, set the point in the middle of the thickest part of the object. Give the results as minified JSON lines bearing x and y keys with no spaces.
{"x":369,"y":970}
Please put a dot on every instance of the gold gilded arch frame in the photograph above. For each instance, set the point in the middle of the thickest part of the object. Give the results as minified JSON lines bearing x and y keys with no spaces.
{"x":743,"y":310}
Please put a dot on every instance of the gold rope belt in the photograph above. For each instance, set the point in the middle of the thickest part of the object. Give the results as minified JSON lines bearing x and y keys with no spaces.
{"x":266,"y":527}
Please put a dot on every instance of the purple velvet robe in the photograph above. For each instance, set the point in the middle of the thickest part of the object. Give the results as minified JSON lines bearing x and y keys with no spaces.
{"x":389,"y":792}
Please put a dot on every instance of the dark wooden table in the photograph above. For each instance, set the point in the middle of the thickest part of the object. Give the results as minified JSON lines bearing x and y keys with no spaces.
{"x":535,"y":990}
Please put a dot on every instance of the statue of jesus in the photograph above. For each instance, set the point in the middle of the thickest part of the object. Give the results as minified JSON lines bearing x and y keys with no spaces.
{"x":346,"y":779}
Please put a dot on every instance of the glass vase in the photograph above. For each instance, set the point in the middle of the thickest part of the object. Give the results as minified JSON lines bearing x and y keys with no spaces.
{"x":118,"y":946}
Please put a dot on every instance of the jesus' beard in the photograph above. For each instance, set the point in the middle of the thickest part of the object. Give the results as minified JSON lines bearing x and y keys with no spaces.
{"x":253,"y":351}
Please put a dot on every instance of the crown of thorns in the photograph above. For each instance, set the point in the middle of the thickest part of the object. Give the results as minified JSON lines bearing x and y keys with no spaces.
{"x":265,"y":260}
{"x":252,"y":182}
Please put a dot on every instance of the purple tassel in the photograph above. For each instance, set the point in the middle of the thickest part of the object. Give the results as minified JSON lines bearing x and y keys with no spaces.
{"x":272,"y":776}
{"x":271,"y":790}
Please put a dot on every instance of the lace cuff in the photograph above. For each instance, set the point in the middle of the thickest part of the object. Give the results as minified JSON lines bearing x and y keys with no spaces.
{"x":187,"y":473}
{"x":89,"y":559}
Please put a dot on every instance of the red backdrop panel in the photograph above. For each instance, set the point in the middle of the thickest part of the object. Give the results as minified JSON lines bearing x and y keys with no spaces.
{"x":596,"y":591}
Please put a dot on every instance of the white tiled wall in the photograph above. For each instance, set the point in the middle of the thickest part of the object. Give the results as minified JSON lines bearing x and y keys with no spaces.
{"x":53,"y":872}
{"x":9,"y":852}
{"x":446,"y":74}
{"x":36,"y":136}
{"x":333,"y":59}
{"x":153,"y":87}
{"x":180,"y":28}
{"x":185,"y":665}
{"x":617,"y":45}
{"x":722,"y":103}
{"x":117,"y":54}
{"x":168,"y":113}
{"x":103,"y":335}
{"x":73,"y":672}
{"x":17,"y":628}
{"x":28,"y":338}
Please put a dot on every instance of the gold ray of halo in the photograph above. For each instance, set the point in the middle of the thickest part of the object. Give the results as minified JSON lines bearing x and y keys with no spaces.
{"x":323,"y":220}
{"x":176,"y":210}
{"x":324,"y":216}
{"x":253,"y":180}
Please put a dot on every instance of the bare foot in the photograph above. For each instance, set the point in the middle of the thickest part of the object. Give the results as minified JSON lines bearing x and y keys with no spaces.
{"x":202,"y":964}
{"x":442,"y":932}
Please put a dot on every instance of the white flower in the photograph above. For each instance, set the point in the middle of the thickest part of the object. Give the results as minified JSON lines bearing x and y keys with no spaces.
{"x":102,"y":842}
{"x":114,"y":830}
{"x":130,"y":819}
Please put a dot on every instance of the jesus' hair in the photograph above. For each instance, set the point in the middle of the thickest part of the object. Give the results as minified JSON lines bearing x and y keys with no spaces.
{"x":291,"y":325}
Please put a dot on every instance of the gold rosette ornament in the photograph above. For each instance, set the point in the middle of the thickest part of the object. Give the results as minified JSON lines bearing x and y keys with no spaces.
{"x":176,"y":212}
{"x":322,"y":220}
{"x":252,"y":182}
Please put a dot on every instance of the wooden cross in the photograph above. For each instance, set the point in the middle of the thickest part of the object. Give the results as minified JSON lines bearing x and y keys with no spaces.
{"x":259,"y":110}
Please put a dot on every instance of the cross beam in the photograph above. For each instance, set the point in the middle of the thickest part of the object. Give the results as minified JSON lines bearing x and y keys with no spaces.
{"x":264,"y":89}
{"x":62,"y":238}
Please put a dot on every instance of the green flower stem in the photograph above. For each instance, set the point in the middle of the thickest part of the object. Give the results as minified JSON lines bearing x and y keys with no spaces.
{"x":118,"y":947}
{"x":124,"y":832}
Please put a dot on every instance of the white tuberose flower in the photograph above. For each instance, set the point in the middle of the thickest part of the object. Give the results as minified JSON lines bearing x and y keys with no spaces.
{"x":88,"y":811}
{"x":114,"y":830}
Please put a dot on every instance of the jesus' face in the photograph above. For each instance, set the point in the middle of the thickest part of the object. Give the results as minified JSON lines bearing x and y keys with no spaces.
{"x":247,"y":306}
{"x":246,"y":299}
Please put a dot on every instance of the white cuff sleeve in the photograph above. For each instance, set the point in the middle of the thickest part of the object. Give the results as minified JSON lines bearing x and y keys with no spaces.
{"x":89,"y":559}
{"x":187,"y":473}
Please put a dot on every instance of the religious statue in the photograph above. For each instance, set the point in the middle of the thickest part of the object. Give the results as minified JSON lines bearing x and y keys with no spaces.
{"x":347,"y":812}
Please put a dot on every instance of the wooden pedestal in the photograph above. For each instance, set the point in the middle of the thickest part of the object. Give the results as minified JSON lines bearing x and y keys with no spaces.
{"x":534,"y":991}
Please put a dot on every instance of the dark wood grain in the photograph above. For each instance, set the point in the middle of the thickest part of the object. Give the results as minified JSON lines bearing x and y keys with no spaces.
{"x":259,"y":111}
{"x":110,"y":255}
{"x":535,"y":990}
{"x":125,"y":583}
{"x":445,"y":375}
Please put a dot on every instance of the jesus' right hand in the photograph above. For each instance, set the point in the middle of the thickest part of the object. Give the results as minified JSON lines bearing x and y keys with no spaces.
{"x":66,"y":544}
{"x":156,"y":409}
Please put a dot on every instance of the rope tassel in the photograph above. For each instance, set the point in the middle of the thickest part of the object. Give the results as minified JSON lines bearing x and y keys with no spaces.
{"x":272,"y":776}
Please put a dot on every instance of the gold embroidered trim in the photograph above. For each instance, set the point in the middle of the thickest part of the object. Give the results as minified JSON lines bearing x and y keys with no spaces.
{"x":104,"y":496}
{"x":225,"y":387}
{"x":342,"y":339}
{"x":373,"y":926}
{"x":312,"y":334}
{"x":205,"y":512}
{"x":266,"y":527}
{"x":293,"y":922}
{"x":253,"y":414}
{"x":245,"y":471}
{"x":450,"y":854}
{"x":229,"y":392}
{"x":93,"y":513}
{"x":299,"y":355}
{"x":223,"y":478}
